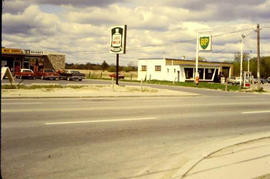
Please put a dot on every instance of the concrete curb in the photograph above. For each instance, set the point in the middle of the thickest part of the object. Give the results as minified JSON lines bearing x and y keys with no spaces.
{"x":143,"y":96}
{"x":182,"y":172}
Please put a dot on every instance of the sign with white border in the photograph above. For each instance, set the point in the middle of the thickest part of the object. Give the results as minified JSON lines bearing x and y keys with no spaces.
{"x":118,"y":39}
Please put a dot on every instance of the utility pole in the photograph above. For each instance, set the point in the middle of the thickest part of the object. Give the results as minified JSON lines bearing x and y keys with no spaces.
{"x":258,"y":57}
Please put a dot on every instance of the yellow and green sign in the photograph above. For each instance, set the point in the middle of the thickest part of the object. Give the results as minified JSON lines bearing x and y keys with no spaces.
{"x":205,"y":43}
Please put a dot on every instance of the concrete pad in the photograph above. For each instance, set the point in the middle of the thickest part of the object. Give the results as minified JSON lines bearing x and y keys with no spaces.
{"x":248,"y":160}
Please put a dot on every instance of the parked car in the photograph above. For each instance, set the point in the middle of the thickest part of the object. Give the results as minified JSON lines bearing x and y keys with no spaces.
{"x":262,"y":80}
{"x":25,"y":73}
{"x":268,"y":79}
{"x":47,"y":74}
{"x":119,"y":76}
{"x":71,"y":75}
{"x":234,"y":80}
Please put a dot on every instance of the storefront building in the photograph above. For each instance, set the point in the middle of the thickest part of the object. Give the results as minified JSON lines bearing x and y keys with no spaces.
{"x":167,"y":69}
{"x":17,"y":59}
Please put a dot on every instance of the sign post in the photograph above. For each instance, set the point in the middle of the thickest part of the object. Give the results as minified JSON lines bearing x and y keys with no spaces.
{"x":118,"y":45}
{"x":204,"y":43}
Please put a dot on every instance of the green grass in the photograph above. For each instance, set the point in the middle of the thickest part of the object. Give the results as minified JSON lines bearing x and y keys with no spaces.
{"x":207,"y":85}
{"x":40,"y":86}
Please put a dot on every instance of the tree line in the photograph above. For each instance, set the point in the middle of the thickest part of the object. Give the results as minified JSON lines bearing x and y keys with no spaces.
{"x":104,"y":67}
{"x":264,"y":65}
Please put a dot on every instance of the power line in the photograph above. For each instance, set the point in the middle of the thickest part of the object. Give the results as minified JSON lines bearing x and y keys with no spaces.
{"x":232,"y":32}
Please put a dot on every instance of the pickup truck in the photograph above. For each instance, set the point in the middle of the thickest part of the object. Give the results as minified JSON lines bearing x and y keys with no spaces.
{"x":25,"y":73}
{"x":71,"y":75}
{"x":119,"y":76}
{"x":47,"y":74}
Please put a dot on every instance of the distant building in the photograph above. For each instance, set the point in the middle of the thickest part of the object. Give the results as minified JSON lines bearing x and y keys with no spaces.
{"x":31,"y":59}
{"x":168,"y":69}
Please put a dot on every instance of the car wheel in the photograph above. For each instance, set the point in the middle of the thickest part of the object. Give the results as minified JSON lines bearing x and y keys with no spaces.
{"x":34,"y":78}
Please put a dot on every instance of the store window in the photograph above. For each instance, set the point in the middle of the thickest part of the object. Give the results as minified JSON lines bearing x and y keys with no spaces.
{"x":144,"y":68}
{"x":157,"y":68}
{"x":209,"y":73}
{"x":26,"y":64}
{"x":200,"y":70}
{"x":189,"y":73}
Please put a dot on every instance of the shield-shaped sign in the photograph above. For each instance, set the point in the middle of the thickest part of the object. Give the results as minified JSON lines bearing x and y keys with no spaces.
{"x":204,"y":42}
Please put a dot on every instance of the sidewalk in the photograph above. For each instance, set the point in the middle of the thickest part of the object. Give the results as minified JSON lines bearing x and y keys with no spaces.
{"x":246,"y":160}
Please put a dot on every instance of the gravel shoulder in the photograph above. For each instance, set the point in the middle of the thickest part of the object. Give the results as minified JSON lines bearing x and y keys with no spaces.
{"x":92,"y":91}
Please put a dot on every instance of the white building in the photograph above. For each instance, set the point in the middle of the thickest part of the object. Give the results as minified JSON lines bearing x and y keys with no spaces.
{"x":167,"y":69}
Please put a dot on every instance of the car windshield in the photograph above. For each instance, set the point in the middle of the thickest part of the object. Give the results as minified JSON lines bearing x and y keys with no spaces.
{"x":76,"y":72}
{"x":48,"y":71}
{"x":27,"y":71}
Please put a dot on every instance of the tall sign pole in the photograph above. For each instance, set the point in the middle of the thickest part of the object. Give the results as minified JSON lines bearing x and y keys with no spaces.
{"x":204,"y":44}
{"x":118,"y":45}
{"x":117,"y":69}
{"x":197,"y":60}
{"x":258,"y":57}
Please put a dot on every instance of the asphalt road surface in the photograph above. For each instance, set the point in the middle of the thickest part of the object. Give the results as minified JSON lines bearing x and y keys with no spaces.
{"x":145,"y":137}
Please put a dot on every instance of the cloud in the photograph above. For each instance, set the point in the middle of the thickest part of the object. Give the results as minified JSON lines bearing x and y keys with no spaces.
{"x":163,"y":28}
{"x":15,"y":6}
{"x":30,"y":22}
{"x":81,"y":3}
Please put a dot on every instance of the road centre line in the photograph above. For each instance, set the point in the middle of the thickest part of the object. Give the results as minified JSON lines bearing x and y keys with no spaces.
{"x":101,"y":121}
{"x":255,"y":112}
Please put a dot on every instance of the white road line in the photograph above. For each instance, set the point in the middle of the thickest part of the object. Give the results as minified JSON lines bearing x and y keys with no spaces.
{"x":101,"y":121}
{"x":255,"y":112}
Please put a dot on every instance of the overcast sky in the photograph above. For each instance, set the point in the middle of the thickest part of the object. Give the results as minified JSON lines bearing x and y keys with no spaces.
{"x":160,"y":28}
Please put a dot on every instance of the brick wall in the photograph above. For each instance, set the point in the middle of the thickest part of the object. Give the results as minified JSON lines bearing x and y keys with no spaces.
{"x":55,"y":61}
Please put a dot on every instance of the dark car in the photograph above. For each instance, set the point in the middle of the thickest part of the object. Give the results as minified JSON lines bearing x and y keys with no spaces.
{"x":71,"y":75}
{"x":47,"y":74}
{"x":262,"y":80}
{"x":25,"y":73}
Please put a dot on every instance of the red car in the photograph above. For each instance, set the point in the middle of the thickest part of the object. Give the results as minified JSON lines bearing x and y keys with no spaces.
{"x":119,"y":76}
{"x":25,"y":73}
{"x":47,"y":74}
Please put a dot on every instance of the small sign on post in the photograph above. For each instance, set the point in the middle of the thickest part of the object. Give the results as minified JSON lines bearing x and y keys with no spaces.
{"x":118,"y":45}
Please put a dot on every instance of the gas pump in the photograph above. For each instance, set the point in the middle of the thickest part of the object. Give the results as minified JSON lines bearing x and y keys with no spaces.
{"x":247,"y":79}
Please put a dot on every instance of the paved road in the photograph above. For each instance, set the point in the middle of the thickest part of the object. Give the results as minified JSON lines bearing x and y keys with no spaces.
{"x":142,"y":137}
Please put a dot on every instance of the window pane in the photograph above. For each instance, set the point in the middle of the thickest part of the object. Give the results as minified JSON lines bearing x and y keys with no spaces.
{"x":157,"y":68}
{"x":189,"y":73}
{"x":144,"y":68}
